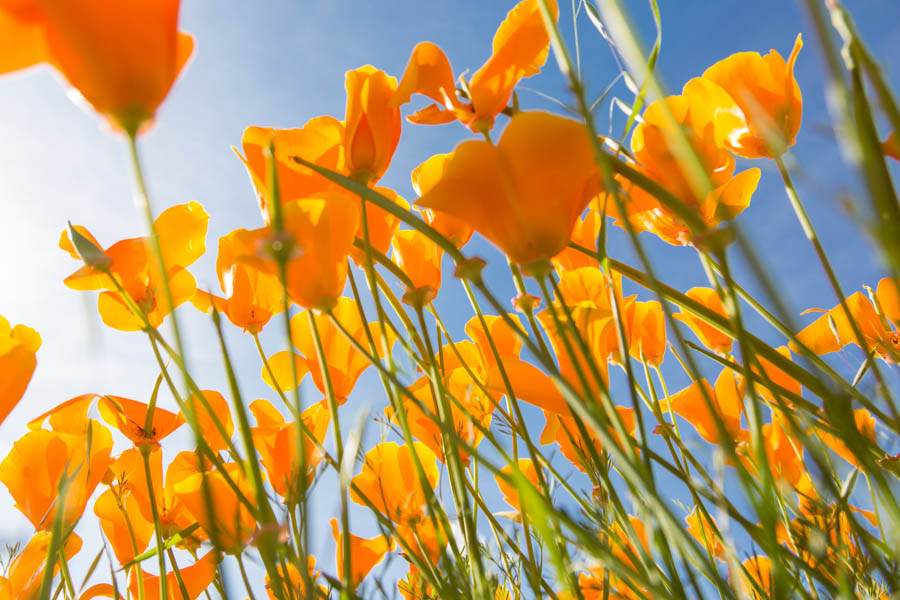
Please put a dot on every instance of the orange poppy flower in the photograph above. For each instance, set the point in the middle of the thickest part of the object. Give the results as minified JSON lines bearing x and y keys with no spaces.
{"x":726,"y":398}
{"x":25,"y":571}
{"x":424,"y":178}
{"x":292,"y":577}
{"x":563,"y":430}
{"x":623,"y":547}
{"x":128,"y":469}
{"x":390,"y":481}
{"x":865,"y":425}
{"x":758,"y":576}
{"x":709,"y":336}
{"x":372,"y":128}
{"x":592,"y":586}
{"x":784,"y":453}
{"x":778,"y":378}
{"x":424,"y":538}
{"x":319,"y":141}
{"x":648,"y":332}
{"x":420,"y":258}
{"x":585,"y":234}
{"x":344,"y":362}
{"x":469,"y":407}
{"x":280,"y":364}
{"x":586,"y":291}
{"x":704,"y":532}
{"x":509,"y":490}
{"x":768,"y":97}
{"x":519,"y":50}
{"x":366,"y":554}
{"x":123,"y":524}
{"x":382,"y":226}
{"x":130,"y":417}
{"x":196,"y":579}
{"x":18,"y":346}
{"x":121,"y":57}
{"x":832,"y":331}
{"x":252,"y":297}
{"x":41,"y":459}
{"x":891,"y":147}
{"x":276,"y":442}
{"x":415,"y":586}
{"x":711,"y":189}
{"x":70,"y":416}
{"x":505,"y":340}
{"x":322,"y":229}
{"x":231,"y":525}
{"x":526,"y":193}
{"x":182,"y":235}
{"x":218,"y":410}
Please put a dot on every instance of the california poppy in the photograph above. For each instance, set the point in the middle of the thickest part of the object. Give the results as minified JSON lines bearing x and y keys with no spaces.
{"x":121,"y":57}
{"x":707,"y":185}
{"x":130,"y":418}
{"x":426,"y":176}
{"x":863,"y":422}
{"x":509,"y":490}
{"x":196,"y":578}
{"x":422,"y":537}
{"x":372,"y":123}
{"x":321,"y":229}
{"x":647,"y":330}
{"x":182,"y":239}
{"x":585,"y":233}
{"x":769,"y":100}
{"x":345,"y":363}
{"x":18,"y":346}
{"x":211,"y":409}
{"x":520,"y":48}
{"x":726,"y":400}
{"x":563,"y":430}
{"x":230,"y":525}
{"x":41,"y":459}
{"x":277,"y":442}
{"x":389,"y":480}
{"x":124,"y":527}
{"x":281,"y":376}
{"x":891,"y":147}
{"x":366,"y":554}
{"x":709,"y":336}
{"x":704,"y":530}
{"x":833,"y":330}
{"x":252,"y":297}
{"x":382,"y":226}
{"x":319,"y":141}
{"x":420,"y":258}
{"x":526,"y":193}
{"x":25,"y":571}
{"x":758,"y":576}
{"x":294,"y":579}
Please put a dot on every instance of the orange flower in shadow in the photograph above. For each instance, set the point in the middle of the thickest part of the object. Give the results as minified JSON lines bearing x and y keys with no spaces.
{"x":769,"y":102}
{"x":520,"y":48}
{"x":123,"y":524}
{"x":509,"y":490}
{"x":526,"y":193}
{"x":709,"y":336}
{"x":122,"y":57}
{"x":18,"y":346}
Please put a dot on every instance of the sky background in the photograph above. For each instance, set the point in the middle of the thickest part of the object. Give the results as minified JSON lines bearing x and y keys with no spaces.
{"x":282,"y":62}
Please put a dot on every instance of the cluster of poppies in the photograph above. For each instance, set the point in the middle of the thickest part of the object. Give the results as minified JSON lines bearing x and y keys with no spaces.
{"x":541,"y":194}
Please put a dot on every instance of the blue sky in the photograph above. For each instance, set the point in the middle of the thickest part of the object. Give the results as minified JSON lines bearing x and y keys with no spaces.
{"x":280,"y":63}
